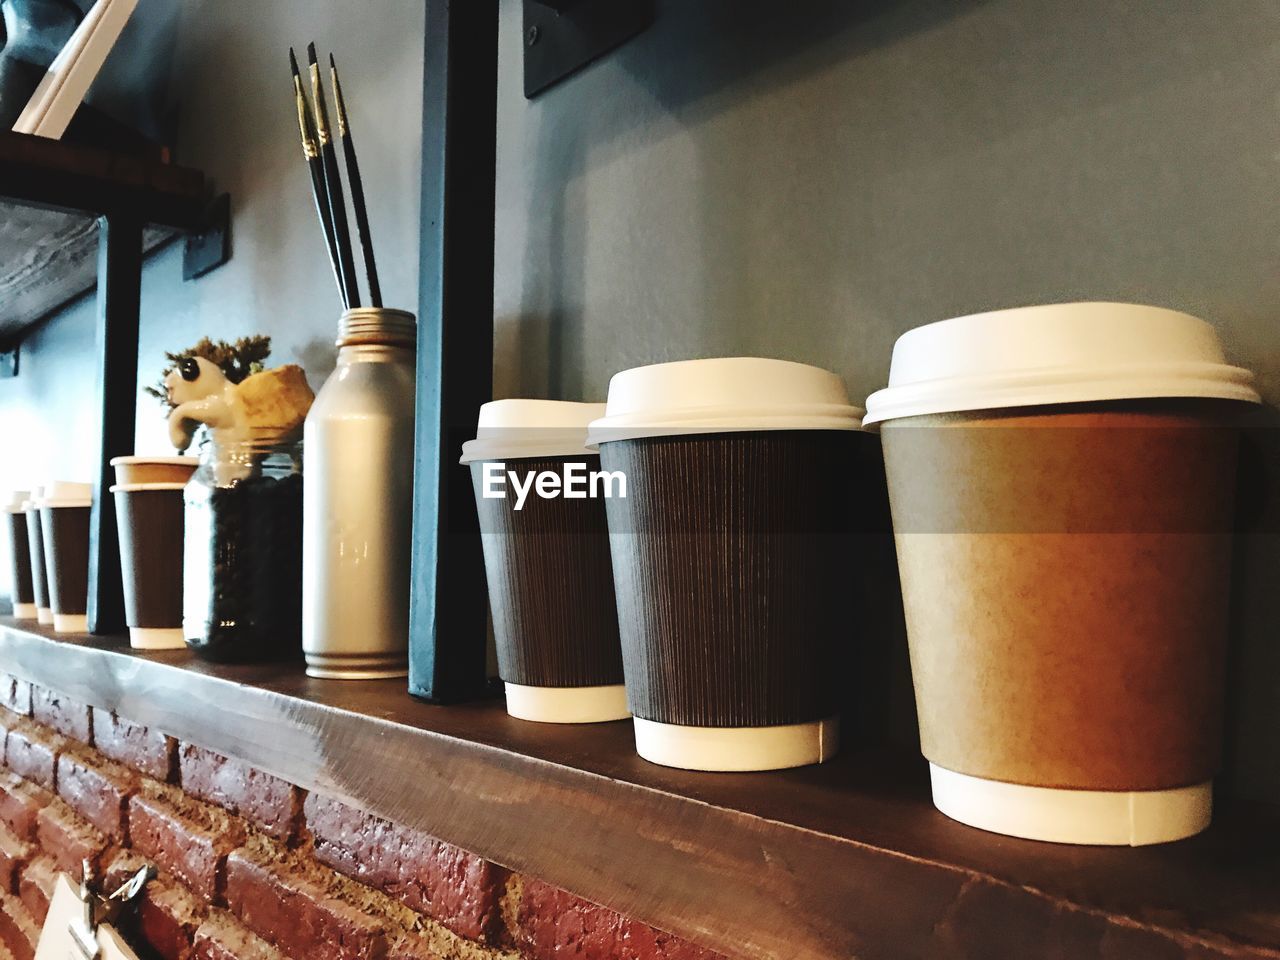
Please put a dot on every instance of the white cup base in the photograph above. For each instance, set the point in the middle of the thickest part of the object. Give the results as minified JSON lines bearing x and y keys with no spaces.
{"x":44,"y":615}
{"x":157,"y":638}
{"x":25,"y":611}
{"x":567,"y":704}
{"x":70,"y":623}
{"x":318,"y":672}
{"x":1089,"y":817}
{"x":737,"y":749}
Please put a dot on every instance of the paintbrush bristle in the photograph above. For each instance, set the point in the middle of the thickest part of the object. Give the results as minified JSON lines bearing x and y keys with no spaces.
{"x":293,"y":62}
{"x":311,"y":54}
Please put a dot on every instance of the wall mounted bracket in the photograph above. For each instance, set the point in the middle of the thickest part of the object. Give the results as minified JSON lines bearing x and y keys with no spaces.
{"x":210,"y":246}
{"x":563,"y":36}
{"x":9,"y":361}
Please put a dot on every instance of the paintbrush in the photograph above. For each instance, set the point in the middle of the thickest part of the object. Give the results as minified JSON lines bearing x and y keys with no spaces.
{"x":357,"y":187}
{"x":311,"y":151}
{"x":333,"y":184}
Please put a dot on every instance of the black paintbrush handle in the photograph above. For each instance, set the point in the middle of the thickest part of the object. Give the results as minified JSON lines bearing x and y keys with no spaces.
{"x":326,"y":223}
{"x":362,"y":221}
{"x":341,"y":229}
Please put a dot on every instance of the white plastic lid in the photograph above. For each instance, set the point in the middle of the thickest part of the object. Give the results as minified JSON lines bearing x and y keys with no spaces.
{"x":176,"y":461}
{"x":33,"y":498}
{"x":1058,"y":353}
{"x":1093,"y":817}
{"x":723,"y":395}
{"x":17,"y":501}
{"x":513,"y":429}
{"x":66,"y":493}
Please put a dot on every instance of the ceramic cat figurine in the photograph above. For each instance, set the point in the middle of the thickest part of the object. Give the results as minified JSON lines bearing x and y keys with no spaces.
{"x":272,"y":404}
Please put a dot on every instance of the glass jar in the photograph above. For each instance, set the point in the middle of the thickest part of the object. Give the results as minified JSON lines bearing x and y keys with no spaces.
{"x":242,"y":576}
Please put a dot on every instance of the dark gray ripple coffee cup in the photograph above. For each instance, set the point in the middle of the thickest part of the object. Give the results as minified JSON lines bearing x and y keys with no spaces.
{"x":35,"y":548}
{"x":732,"y":557}
{"x":150,"y":518}
{"x":547,"y":561}
{"x":64,"y":527}
{"x":22,"y":589}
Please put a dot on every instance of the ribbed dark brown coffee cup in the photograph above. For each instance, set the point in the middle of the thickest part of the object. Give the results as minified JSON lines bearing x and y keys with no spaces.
{"x":39,"y":570}
{"x":733,"y":557}
{"x":555,"y":621}
{"x":22,"y":589}
{"x":64,"y":525}
{"x":150,"y":516}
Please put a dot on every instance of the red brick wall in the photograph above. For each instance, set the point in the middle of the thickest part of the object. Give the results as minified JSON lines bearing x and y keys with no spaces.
{"x":253,"y":868}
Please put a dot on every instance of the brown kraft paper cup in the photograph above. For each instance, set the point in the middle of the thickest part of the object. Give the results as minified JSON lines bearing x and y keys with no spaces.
{"x":1065,"y":577}
{"x":39,"y":570}
{"x":66,"y":548}
{"x":151,"y":555}
{"x":551,"y":585}
{"x":23,"y":596}
{"x":732,"y":561}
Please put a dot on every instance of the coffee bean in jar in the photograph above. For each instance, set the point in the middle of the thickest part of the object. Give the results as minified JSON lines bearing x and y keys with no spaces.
{"x":242,"y":583}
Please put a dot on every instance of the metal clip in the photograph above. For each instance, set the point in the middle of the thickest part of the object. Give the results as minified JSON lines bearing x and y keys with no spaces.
{"x":96,"y":910}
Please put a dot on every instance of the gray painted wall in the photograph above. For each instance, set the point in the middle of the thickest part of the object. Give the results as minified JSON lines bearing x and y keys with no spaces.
{"x":239,"y":125}
{"x":810,"y":179}
{"x":804,"y":180}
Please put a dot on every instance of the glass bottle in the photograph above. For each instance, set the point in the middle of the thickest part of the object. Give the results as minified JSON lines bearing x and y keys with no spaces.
{"x":242,"y":576}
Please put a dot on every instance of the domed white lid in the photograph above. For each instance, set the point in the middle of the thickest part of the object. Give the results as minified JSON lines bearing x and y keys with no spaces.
{"x":521,"y":429}
{"x":66,"y":493}
{"x":1057,"y":353}
{"x":722,"y":395}
{"x":16,"y":501}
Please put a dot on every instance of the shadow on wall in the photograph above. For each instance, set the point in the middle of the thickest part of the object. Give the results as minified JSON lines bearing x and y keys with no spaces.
{"x":697,"y":59}
{"x":705,"y":48}
{"x":742,"y":165}
{"x":1252,"y":762}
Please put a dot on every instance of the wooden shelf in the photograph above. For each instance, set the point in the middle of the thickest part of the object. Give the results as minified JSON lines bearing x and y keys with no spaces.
{"x":51,"y":193}
{"x":90,"y":180}
{"x":844,"y":860}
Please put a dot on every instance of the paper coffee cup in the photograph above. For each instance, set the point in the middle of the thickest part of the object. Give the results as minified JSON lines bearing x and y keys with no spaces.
{"x":64,"y":526}
{"x":150,"y":518}
{"x":555,"y":620}
{"x":1061,"y":480}
{"x":732,"y":557}
{"x":35,"y":544}
{"x":131,"y":470}
{"x":22,"y":589}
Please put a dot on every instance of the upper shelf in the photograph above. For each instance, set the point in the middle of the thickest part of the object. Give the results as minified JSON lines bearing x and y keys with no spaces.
{"x":91,"y":180}
{"x":50,"y":194}
{"x":844,"y":860}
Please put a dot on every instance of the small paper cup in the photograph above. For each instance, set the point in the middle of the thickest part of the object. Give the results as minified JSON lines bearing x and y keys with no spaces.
{"x":555,"y":621}
{"x":64,"y":526}
{"x":150,"y":518}
{"x":23,"y":590}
